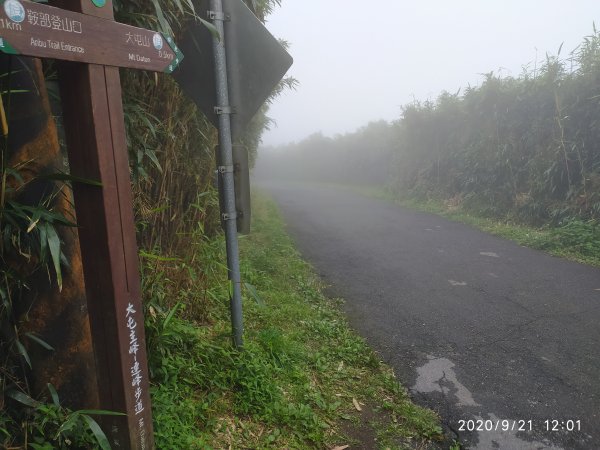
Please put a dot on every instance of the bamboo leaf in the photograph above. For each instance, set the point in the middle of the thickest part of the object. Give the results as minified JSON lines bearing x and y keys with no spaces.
{"x":54,"y":246}
{"x":171,"y":314}
{"x":211,"y":28}
{"x":40,"y":341}
{"x":43,"y":241}
{"x":15,"y":174}
{"x":54,"y":395}
{"x":97,"y":431}
{"x":165,"y":27}
{"x":254,"y":293}
{"x":147,"y":255}
{"x":60,"y":176}
{"x":23,"y":352}
{"x":35,"y":218}
{"x":45,"y":446}
{"x":100,"y":412}
{"x":23,"y":398}
{"x":69,"y":423}
{"x":154,"y":159}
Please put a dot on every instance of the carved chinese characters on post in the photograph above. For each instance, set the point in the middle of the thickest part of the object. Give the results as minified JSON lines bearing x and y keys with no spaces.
{"x":136,"y":370}
{"x":34,"y":29}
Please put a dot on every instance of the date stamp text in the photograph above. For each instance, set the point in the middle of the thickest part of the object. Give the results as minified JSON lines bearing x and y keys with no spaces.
{"x":557,"y":425}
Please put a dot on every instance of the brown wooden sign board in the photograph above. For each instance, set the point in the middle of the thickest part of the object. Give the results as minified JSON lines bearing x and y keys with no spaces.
{"x":97,"y":149}
{"x":35,"y":29}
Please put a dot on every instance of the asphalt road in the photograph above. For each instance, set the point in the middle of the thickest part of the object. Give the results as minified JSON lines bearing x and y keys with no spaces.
{"x":476,"y":326}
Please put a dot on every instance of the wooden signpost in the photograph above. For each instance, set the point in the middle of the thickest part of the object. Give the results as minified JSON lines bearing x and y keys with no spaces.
{"x":35,"y":29}
{"x":91,"y":46}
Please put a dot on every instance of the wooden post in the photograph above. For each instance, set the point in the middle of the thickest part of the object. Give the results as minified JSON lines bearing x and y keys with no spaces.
{"x":95,"y":131}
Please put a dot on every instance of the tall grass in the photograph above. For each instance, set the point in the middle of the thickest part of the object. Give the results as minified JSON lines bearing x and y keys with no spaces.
{"x":171,"y":143}
{"x":525,"y":147}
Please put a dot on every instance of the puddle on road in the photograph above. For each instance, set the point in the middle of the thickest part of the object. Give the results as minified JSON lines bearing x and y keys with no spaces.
{"x":436,"y":375}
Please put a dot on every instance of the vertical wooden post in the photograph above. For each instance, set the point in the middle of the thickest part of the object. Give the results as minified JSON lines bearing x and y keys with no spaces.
{"x":95,"y":131}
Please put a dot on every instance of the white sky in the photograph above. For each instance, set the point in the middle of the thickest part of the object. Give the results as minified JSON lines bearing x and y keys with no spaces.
{"x":359,"y":61}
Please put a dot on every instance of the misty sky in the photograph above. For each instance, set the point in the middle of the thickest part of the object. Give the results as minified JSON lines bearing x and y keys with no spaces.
{"x":359,"y":61}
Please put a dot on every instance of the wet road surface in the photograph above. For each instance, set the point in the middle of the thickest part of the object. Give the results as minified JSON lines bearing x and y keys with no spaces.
{"x":479,"y":328}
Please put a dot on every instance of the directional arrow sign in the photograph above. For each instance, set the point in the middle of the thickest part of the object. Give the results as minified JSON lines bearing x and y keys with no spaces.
{"x":256,"y":62}
{"x":34,"y":29}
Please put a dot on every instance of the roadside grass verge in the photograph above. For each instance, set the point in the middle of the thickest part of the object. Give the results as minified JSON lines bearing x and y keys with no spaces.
{"x":304,"y":378}
{"x":575,"y":239}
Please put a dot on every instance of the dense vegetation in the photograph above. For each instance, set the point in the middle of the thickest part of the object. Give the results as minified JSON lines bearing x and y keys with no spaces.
{"x":525,"y":147}
{"x":303,"y":375}
{"x":171,"y":143}
{"x":171,"y":148}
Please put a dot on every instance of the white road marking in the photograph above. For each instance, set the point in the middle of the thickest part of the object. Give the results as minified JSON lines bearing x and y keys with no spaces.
{"x":490,"y":254}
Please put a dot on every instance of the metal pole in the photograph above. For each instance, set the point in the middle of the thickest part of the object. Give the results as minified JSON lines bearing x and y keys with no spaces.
{"x":225,"y":162}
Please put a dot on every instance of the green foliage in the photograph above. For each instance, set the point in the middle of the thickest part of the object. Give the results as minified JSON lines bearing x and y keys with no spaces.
{"x":525,"y":147}
{"x":30,"y":231}
{"x":301,"y":366}
{"x":49,"y":425}
{"x":171,"y":149}
{"x":171,"y":144}
{"x":579,"y":237}
{"x":30,"y":246}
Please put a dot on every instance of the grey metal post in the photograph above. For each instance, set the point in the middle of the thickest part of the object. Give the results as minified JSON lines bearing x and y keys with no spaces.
{"x":225,"y":162}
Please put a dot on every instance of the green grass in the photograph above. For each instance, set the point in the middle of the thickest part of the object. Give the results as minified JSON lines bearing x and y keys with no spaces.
{"x":301,"y":374}
{"x":574,"y":239}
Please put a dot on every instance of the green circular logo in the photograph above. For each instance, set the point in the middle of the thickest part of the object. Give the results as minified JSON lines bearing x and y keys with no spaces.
{"x":99,"y":3}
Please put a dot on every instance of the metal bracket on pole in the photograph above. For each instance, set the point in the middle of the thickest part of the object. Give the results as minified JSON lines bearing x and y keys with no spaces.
{"x":229,"y":216}
{"x":217,"y":15}
{"x":224,"y":110}
{"x":225,"y":169}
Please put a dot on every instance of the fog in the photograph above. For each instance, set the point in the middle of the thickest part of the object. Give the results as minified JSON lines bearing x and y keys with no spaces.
{"x":361,"y":61}
{"x":483,"y":112}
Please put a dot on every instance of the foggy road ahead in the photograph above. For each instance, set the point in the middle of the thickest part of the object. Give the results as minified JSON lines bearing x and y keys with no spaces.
{"x":476,"y":326}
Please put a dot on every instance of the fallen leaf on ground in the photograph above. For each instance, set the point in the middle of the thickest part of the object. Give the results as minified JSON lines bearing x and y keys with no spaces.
{"x":341,"y":447}
{"x":356,"y":405}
